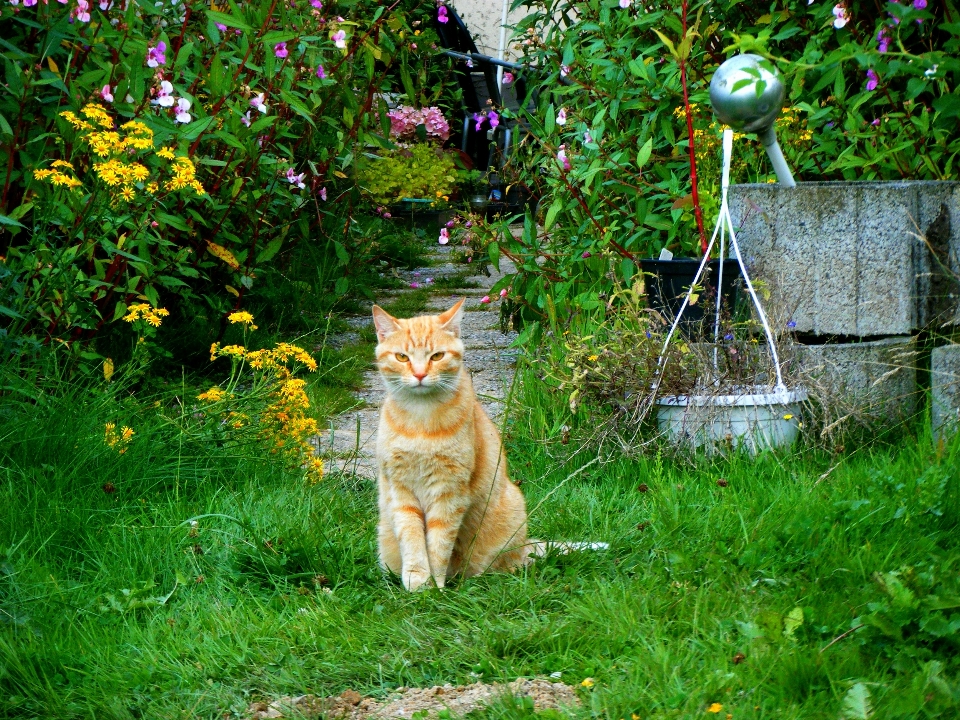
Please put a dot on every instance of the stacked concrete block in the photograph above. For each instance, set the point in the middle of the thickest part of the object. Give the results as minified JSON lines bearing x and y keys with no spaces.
{"x":848,"y":258}
{"x":874,"y":380}
{"x":945,"y":390}
{"x":855,"y":261}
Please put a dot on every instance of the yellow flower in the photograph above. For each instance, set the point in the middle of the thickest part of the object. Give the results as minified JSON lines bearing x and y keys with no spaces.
{"x":242,"y":317}
{"x":126,"y":433}
{"x":214,"y":394}
{"x":98,"y":115}
{"x":788,"y":416}
{"x":165,"y":153}
{"x":107,"y":369}
{"x":61,"y":163}
{"x":587,"y":683}
{"x":152,"y":188}
{"x":592,"y":358}
{"x":715,"y":708}
{"x":42,"y":174}
{"x":127,"y":193}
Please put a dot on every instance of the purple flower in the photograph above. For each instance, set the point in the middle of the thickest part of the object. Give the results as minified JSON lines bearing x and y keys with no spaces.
{"x":883,"y":39}
{"x":321,"y":73}
{"x":280,"y":50}
{"x":840,"y":16}
{"x":586,"y":254}
{"x":414,"y":285}
{"x":221,"y":27}
{"x":442,"y":15}
{"x":323,"y":196}
{"x":104,"y":91}
{"x":450,"y":223}
{"x":587,"y":137}
{"x":872,"y":79}
{"x":296,"y":179}
{"x":917,"y":4}
{"x":155,"y":55}
{"x":507,"y":78}
{"x":339,"y":39}
{"x":29,"y":3}
{"x":876,"y":121}
{"x":728,"y":336}
{"x":479,"y":119}
{"x":649,"y":335}
{"x":564,"y":70}
{"x":792,"y":324}
{"x":562,"y":117}
{"x":317,"y":4}
{"x":245,"y":118}
{"x":493,"y":118}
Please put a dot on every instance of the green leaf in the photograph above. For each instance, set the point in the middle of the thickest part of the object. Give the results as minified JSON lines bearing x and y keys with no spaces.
{"x":555,"y":207}
{"x":228,"y":20}
{"x":643,"y":154}
{"x":550,"y":121}
{"x":5,"y":128}
{"x":666,"y":41}
{"x":742,"y":83}
{"x":857,"y":704}
{"x":272,"y":248}
{"x":7,"y":220}
{"x":792,"y":621}
{"x":341,"y":286}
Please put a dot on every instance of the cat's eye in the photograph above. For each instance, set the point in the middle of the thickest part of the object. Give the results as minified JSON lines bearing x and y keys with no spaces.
{"x":402,"y":358}
{"x":437,"y":356}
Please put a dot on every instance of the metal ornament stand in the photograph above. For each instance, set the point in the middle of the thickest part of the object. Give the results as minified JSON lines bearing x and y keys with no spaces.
{"x":753,"y":396}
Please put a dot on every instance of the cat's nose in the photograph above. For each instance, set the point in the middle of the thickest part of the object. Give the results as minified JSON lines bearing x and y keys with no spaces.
{"x":419,"y":376}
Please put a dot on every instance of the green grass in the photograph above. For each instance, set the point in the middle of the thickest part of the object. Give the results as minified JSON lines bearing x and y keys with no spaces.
{"x":277,"y":591}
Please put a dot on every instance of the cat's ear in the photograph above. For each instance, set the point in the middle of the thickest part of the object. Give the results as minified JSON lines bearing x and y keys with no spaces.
{"x":450,"y":320}
{"x":384,"y":322}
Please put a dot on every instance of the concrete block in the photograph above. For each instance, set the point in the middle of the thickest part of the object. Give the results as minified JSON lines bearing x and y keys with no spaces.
{"x":844,"y":258}
{"x":874,"y":381}
{"x":945,"y":390}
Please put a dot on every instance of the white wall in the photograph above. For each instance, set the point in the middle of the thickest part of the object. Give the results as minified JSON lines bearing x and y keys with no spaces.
{"x":482,"y":18}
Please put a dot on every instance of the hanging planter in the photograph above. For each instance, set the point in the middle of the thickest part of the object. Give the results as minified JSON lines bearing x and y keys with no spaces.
{"x":717,"y":416}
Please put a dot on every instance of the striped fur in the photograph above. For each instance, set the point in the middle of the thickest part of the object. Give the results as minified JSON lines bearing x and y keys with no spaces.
{"x":446,"y":503}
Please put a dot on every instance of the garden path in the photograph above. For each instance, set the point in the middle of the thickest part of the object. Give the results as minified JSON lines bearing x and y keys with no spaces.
{"x":349,"y":444}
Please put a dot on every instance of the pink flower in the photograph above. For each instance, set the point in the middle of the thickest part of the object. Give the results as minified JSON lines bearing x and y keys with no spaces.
{"x":14,"y":2}
{"x":562,"y":117}
{"x":296,"y":179}
{"x":444,"y":236}
{"x":414,"y":285}
{"x":183,"y":116}
{"x":280,"y":50}
{"x":503,"y":293}
{"x":317,"y":4}
{"x":413,"y":46}
{"x":485,"y":299}
{"x":587,"y":137}
{"x":104,"y":4}
{"x":245,"y":118}
{"x":562,"y":157}
{"x":339,"y":39}
{"x":872,"y":79}
{"x":221,"y":27}
{"x":624,"y":4}
{"x":323,"y":194}
{"x":29,"y":3}
{"x":507,"y":78}
{"x":840,"y":16}
{"x":321,"y":73}
{"x":585,"y":254}
{"x":442,"y":15}
{"x":83,"y":11}
{"x":493,"y":118}
{"x":105,"y":90}
{"x":564,"y":70}
{"x":155,"y":55}
{"x":258,"y":103}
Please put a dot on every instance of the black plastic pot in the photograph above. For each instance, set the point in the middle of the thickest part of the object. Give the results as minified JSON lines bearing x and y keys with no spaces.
{"x":668,"y":281}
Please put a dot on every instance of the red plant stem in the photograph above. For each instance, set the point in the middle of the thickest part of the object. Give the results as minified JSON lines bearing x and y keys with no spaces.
{"x":697,"y":212}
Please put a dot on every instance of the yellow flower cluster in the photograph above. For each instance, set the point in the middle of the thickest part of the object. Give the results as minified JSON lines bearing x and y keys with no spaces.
{"x":143,"y":311}
{"x":242,"y":317}
{"x":214,"y":394}
{"x":114,"y":173}
{"x":98,"y":115}
{"x":184,"y":175}
{"x":57,"y":178}
{"x":117,"y":440}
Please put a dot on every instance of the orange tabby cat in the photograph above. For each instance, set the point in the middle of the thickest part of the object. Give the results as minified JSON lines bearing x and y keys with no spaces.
{"x":446,"y":503}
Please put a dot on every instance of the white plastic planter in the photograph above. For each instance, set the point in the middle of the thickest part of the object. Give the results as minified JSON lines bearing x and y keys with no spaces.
{"x":753,"y":419}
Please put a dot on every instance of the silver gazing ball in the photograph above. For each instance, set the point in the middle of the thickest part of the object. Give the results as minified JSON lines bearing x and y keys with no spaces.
{"x":742,"y":109}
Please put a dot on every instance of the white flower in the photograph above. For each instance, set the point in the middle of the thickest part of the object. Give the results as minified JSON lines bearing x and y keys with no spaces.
{"x":840,"y":16}
{"x":625,"y":4}
{"x":165,"y":95}
{"x":258,"y":103}
{"x":246,"y":118}
{"x":183,"y":105}
{"x":562,"y":117}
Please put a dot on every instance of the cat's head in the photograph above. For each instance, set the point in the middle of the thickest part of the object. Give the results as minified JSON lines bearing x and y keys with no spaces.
{"x":421,"y":356}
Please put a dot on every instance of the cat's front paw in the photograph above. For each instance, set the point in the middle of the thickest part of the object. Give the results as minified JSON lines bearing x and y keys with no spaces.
{"x":414,"y":580}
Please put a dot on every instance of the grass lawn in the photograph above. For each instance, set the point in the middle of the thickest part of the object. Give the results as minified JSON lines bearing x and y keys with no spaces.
{"x":727,"y":582}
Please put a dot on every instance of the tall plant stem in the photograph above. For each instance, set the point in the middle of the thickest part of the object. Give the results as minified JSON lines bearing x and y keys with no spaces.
{"x":697,"y":212}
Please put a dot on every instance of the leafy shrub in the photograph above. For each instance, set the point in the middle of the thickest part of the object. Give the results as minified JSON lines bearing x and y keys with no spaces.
{"x":269,"y":103}
{"x":422,"y":171}
{"x":872,"y":95}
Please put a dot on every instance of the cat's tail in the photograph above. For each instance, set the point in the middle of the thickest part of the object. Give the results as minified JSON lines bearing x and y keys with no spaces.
{"x":540,"y":548}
